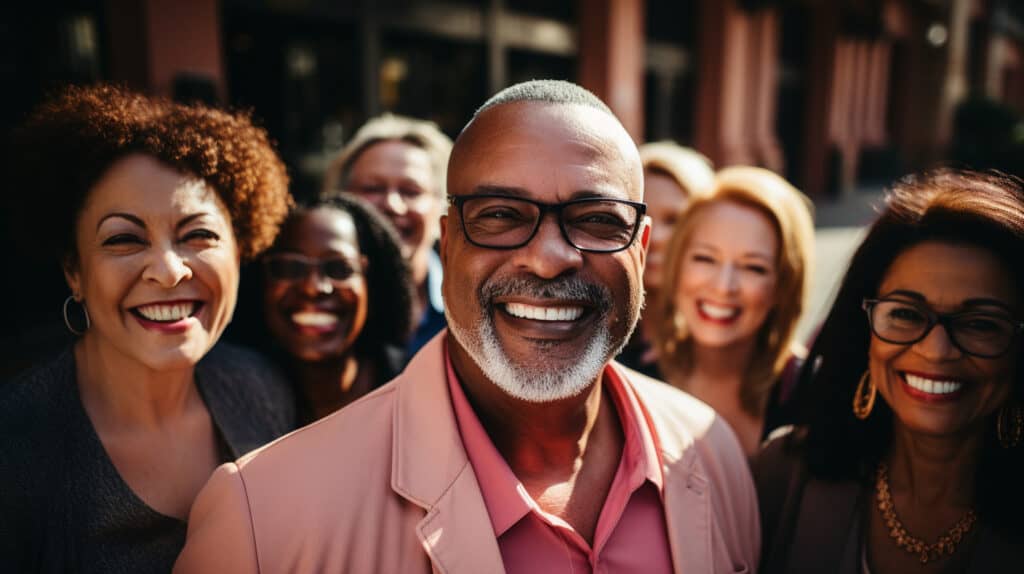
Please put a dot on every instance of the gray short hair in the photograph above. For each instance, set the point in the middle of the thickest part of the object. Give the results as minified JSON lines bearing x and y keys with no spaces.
{"x":390,"y":127}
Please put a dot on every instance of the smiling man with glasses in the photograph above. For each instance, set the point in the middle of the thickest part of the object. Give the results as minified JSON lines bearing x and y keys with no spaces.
{"x":512,"y":442}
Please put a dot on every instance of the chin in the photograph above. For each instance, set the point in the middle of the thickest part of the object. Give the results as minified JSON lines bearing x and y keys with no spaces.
{"x":173,"y":359}
{"x":715,"y":341}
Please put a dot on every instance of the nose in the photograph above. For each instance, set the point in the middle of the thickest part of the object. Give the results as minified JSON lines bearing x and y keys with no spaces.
{"x":937,"y":346}
{"x":316,"y":284}
{"x":168,"y":268}
{"x":728,"y":278}
{"x":548,"y":254}
{"x":394,"y":203}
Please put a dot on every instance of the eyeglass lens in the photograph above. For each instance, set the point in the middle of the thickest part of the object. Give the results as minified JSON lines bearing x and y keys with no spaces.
{"x":979,"y":333}
{"x":287,"y":267}
{"x":599,"y":225}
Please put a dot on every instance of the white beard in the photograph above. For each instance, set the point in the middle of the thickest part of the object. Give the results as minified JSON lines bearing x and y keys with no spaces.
{"x":535,"y":382}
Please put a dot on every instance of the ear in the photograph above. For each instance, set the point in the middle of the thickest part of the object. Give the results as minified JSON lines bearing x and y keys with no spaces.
{"x":645,"y":232}
{"x":645,"y":237}
{"x":73,"y":277}
{"x":444,"y":241}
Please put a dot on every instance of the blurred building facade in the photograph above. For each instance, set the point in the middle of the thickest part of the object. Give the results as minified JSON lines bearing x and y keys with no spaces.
{"x":834,"y":94}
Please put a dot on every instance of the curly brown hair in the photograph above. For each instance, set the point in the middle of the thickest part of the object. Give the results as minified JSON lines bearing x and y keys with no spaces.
{"x":72,"y":139}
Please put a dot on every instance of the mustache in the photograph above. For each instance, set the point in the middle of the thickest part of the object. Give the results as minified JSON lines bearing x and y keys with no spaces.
{"x":572,"y":287}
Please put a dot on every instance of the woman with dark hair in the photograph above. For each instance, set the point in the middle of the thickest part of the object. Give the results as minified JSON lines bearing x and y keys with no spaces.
{"x":910,"y":457}
{"x":149,"y":207}
{"x":338,"y":301}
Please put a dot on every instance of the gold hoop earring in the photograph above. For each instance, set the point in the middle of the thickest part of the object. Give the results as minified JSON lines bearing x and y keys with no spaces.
{"x":679,"y":323}
{"x":864,"y":399}
{"x":67,"y":320}
{"x":1010,"y":426}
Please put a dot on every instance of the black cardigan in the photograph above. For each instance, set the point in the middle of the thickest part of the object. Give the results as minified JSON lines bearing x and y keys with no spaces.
{"x":63,"y":505}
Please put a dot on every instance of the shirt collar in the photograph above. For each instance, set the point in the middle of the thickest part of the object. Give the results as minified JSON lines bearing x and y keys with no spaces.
{"x":504,"y":495}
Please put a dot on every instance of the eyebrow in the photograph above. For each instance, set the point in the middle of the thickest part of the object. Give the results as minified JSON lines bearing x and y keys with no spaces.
{"x":756,"y":254}
{"x":973,"y":302}
{"x":138,"y":221}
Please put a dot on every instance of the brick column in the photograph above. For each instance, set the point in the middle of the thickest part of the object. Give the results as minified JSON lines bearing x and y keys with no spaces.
{"x":153,"y":41}
{"x":611,"y":57}
{"x":737,"y":87}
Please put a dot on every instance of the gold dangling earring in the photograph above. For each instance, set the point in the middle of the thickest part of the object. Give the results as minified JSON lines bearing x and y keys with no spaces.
{"x":864,"y":400}
{"x":679,"y":322}
{"x":1010,"y":426}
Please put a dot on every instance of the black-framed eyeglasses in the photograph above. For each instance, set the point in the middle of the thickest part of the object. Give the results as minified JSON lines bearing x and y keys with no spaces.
{"x":983,"y":334}
{"x":296,"y":267}
{"x":594,"y":224}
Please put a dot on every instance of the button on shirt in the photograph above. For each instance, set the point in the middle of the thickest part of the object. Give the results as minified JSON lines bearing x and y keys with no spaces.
{"x":631,"y":534}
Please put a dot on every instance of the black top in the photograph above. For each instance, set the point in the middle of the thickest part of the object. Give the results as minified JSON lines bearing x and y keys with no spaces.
{"x":63,"y":505}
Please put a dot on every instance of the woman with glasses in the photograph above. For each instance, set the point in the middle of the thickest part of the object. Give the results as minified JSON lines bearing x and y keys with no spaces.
{"x":736,"y":275}
{"x":337,"y":300}
{"x":149,"y":207}
{"x":909,"y":459}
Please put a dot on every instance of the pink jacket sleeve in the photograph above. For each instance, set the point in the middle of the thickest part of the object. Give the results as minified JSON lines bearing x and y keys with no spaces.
{"x":220,"y":533}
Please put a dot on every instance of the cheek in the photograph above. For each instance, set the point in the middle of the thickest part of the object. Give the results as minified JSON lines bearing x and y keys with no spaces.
{"x":105,"y":282}
{"x":691,"y":280}
{"x":1003,"y":372}
{"x":662,"y":230}
{"x":880,"y":358}
{"x":760,"y":292}
{"x":362,"y":305}
{"x":274,"y":294}
{"x":220,"y":269}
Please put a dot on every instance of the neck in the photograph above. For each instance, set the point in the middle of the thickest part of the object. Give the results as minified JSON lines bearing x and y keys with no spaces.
{"x":717,"y":377}
{"x":330,"y":384}
{"x":717,"y":373}
{"x":934,"y":470}
{"x":534,"y":438}
{"x":119,"y":393}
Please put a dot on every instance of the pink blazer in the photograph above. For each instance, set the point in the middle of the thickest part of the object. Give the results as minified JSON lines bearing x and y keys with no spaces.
{"x":384,"y":486}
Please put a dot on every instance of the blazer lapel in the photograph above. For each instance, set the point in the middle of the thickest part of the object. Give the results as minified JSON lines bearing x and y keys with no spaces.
{"x":457,"y":532}
{"x":430,"y":469}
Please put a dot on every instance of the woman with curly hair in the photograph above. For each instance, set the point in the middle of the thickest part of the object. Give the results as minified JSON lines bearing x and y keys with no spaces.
{"x":737,"y":271}
{"x":908,"y":456}
{"x":337,"y":301}
{"x":149,"y":207}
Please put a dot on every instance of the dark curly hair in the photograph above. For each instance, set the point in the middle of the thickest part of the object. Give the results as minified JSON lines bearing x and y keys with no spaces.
{"x":71,"y":140}
{"x":962,"y":207}
{"x":389,"y":284}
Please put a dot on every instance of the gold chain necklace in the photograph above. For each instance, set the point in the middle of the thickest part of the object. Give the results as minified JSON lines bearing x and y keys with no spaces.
{"x":944,"y":546}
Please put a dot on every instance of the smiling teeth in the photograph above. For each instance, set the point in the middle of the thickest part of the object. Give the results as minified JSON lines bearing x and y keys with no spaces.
{"x":314,"y":319}
{"x":932,"y":387}
{"x":167,"y":312}
{"x":544,"y":313}
{"x":718,"y":311}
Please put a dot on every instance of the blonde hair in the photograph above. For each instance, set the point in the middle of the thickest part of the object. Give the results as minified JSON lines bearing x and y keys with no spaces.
{"x":790,"y":212}
{"x":390,"y":127}
{"x":691,"y":170}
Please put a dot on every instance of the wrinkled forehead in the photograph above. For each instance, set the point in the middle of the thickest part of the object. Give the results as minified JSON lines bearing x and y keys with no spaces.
{"x":527,"y":139}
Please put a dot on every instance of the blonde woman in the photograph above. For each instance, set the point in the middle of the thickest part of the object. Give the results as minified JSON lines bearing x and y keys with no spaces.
{"x":673,"y":176}
{"x":736,"y":279}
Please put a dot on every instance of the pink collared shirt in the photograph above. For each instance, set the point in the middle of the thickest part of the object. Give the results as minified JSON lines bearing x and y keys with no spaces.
{"x":630,"y":535}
